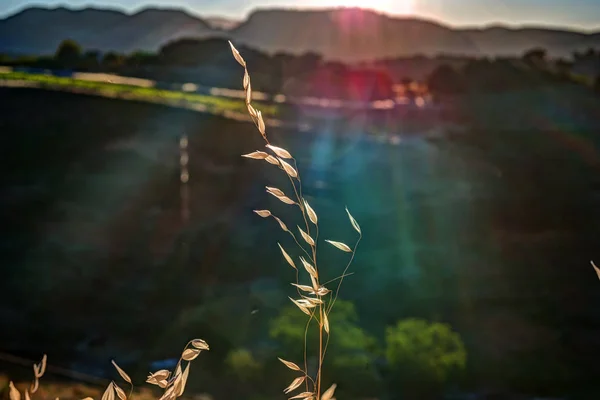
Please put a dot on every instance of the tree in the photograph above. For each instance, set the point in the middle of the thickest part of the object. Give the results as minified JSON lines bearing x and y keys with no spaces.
{"x":445,"y":80}
{"x":90,"y":59}
{"x":68,"y":53}
{"x":350,"y":351}
{"x":422,"y":357}
{"x":535,"y":57}
{"x":563,"y":68}
{"x":242,"y":364}
{"x":112,"y":60}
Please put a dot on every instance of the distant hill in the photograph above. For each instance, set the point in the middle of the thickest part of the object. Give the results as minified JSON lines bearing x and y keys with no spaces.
{"x":348,"y":34}
{"x":40,"y":30}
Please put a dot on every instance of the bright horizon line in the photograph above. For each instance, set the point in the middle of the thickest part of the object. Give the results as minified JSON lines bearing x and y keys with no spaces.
{"x":190,"y":11}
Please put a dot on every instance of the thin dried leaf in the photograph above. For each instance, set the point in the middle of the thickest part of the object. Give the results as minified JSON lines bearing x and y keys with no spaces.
{"x":325,"y":322}
{"x":122,"y":373}
{"x":36,"y":370}
{"x":328,"y":394}
{"x":312,"y":215}
{"x":120,"y":392}
{"x":246,"y":80}
{"x":88,"y":398}
{"x":294,"y":385}
{"x":190,"y":354}
{"x":272,"y":160}
{"x":340,"y":245}
{"x":313,"y":280}
{"x":184,"y":379}
{"x":596,"y":269}
{"x":304,"y":288}
{"x":263,"y":213}
{"x":309,"y":268}
{"x":281,"y":153}
{"x":302,"y":395}
{"x":256,"y":155}
{"x":300,"y":306}
{"x":287,"y":257}
{"x":237,"y":55}
{"x":290,"y":364}
{"x":306,"y":237}
{"x":288,"y":169}
{"x":261,"y":124}
{"x":42,"y":368}
{"x":14,"y":394}
{"x":109,"y":393}
{"x":201,"y":344}
{"x":275,"y":191}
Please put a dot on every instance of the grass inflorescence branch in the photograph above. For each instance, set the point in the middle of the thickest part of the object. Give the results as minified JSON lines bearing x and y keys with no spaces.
{"x":314,"y":300}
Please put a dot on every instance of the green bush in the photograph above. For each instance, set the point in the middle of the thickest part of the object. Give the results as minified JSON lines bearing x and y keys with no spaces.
{"x":422,"y":356}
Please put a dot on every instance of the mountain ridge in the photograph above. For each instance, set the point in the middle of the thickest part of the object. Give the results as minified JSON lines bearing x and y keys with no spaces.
{"x":343,"y":34}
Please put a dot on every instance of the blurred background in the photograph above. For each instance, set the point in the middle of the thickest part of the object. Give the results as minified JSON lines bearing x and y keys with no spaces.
{"x":463,"y":138}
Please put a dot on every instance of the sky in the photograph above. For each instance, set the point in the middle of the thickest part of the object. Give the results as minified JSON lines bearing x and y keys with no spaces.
{"x":578,"y":14}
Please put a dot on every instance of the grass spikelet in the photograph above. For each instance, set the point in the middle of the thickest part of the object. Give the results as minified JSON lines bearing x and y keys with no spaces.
{"x":596,"y":269}
{"x":124,"y":375}
{"x":287,"y":257}
{"x":288,"y":169}
{"x":109,"y":393}
{"x":13,"y":393}
{"x":294,"y":385}
{"x":312,"y":215}
{"x":309,"y":268}
{"x":120,"y":392}
{"x":306,"y":237}
{"x":290,"y":364}
{"x":281,"y":153}
{"x":283,"y":226}
{"x":340,"y":245}
{"x":303,"y":395}
{"x":272,"y":160}
{"x":190,"y":354}
{"x":328,"y":395}
{"x":263,"y":213}
{"x":256,"y":155}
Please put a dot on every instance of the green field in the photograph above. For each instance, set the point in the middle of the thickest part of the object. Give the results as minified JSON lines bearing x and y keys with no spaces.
{"x":213,"y":104}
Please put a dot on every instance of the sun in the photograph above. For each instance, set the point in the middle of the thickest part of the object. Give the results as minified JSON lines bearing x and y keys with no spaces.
{"x":387,"y":6}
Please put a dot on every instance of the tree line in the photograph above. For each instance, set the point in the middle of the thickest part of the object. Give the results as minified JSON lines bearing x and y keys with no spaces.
{"x":207,"y":62}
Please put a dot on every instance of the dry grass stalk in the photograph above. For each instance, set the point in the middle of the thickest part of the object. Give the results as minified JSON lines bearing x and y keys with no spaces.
{"x":174,"y":387}
{"x":38,"y":371}
{"x":319,"y":306}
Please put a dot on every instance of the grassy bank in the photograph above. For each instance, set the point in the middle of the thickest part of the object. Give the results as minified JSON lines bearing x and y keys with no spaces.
{"x":211,"y":104}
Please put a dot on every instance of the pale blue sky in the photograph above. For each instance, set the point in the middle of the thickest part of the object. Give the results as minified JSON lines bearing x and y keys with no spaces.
{"x":580,"y":14}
